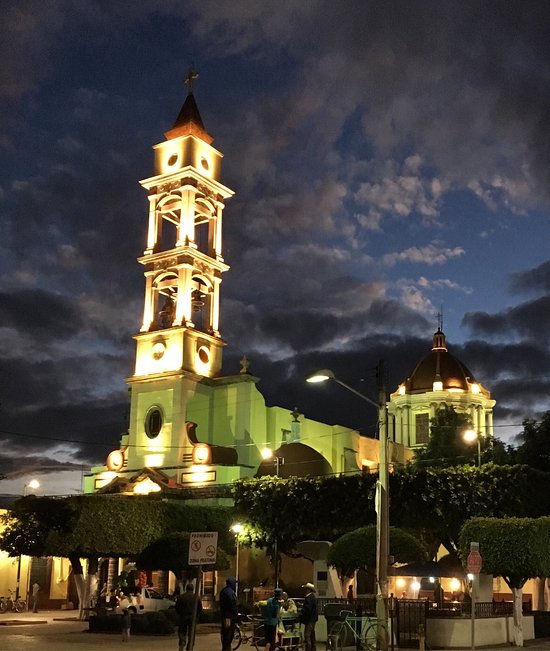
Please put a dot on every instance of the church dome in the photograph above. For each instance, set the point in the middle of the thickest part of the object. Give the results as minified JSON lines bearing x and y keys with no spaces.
{"x":439,"y":370}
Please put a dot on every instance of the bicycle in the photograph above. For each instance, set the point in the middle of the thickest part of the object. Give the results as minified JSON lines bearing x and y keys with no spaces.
{"x":248,"y":629}
{"x":11,"y":604}
{"x":363,"y":629}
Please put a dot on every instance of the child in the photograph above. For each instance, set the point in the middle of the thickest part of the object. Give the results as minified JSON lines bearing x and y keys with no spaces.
{"x":126,"y":620}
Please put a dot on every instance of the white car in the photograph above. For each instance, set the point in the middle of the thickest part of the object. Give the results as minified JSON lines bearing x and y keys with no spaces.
{"x":145,"y":601}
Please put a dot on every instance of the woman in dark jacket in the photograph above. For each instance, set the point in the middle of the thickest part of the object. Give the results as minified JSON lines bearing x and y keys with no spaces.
{"x":228,"y":611}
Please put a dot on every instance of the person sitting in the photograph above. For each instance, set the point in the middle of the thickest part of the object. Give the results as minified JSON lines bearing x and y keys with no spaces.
{"x":289,"y":611}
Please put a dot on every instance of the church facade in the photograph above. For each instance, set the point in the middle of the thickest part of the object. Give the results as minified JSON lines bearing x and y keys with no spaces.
{"x":439,"y":379}
{"x":190,"y":425}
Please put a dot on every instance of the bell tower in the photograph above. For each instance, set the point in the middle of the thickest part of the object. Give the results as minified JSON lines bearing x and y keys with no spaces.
{"x":183,"y":258}
{"x":179,"y":346}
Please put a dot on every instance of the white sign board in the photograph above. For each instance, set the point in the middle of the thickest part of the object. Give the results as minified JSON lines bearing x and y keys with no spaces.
{"x":203,"y":547}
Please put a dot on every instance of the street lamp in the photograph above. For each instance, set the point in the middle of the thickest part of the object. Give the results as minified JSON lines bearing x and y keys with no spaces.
{"x":471,"y":436}
{"x":34,"y":484}
{"x":267,"y":453}
{"x":382,"y":506}
{"x":237,"y":528}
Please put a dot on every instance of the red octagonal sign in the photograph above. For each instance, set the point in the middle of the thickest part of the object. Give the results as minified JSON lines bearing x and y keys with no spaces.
{"x":474,"y":562}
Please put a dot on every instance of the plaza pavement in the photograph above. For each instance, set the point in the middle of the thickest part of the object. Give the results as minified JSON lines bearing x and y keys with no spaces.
{"x":60,"y":631}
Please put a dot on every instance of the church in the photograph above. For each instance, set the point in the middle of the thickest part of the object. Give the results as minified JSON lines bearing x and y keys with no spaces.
{"x":193,"y":429}
{"x":190,"y":425}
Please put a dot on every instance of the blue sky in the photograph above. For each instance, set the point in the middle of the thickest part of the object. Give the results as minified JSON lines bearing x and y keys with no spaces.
{"x":388,"y":159}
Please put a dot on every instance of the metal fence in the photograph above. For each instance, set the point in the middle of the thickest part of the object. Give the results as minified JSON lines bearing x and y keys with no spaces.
{"x":409,"y":617}
{"x":483,"y":609}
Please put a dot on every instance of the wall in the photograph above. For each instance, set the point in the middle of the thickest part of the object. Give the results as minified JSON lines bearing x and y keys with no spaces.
{"x":8,"y":575}
{"x":456,"y":633}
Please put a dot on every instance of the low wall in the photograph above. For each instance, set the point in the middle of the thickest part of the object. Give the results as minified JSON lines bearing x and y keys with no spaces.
{"x":457,"y":632}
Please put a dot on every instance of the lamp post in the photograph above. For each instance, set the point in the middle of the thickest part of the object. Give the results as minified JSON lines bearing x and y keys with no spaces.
{"x":470,"y":436}
{"x":382,"y":498}
{"x":237,"y":529}
{"x":34,"y":484}
{"x":267,"y":453}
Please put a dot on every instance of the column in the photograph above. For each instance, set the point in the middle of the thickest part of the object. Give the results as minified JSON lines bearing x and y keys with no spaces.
{"x":399,"y":424}
{"x":148,"y":315}
{"x":490,"y":431}
{"x":152,"y":231}
{"x":215,"y":306}
{"x":407,"y":426}
{"x":218,"y":238}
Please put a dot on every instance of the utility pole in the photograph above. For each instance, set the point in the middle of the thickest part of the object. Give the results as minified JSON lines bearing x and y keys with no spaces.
{"x":382,"y":515}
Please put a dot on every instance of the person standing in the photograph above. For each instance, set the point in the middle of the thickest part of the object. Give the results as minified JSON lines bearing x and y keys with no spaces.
{"x":126,"y":623}
{"x":309,"y":616}
{"x":351,"y":598}
{"x":35,"y":590}
{"x":186,"y":604}
{"x":439,"y":595}
{"x":228,"y":612}
{"x":271,"y":618}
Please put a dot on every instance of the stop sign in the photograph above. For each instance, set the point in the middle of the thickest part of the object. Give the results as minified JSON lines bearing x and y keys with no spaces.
{"x":474,"y":562}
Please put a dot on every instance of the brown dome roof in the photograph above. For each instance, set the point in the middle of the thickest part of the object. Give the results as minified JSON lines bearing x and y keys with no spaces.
{"x":439,"y":366}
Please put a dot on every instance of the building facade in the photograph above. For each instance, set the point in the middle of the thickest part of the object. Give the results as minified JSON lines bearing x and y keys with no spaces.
{"x":190,"y":425}
{"x":439,"y":379}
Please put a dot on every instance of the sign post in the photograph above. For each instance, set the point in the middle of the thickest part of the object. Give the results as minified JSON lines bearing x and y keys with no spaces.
{"x":473,"y":564}
{"x":203,"y":550}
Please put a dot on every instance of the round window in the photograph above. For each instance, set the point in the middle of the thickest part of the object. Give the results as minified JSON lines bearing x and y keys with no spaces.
{"x":153,"y":422}
{"x":173,"y":160}
{"x":204,"y":163}
{"x":204,"y":354}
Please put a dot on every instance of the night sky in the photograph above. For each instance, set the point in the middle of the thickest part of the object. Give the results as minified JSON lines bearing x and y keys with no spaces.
{"x":389,"y":159}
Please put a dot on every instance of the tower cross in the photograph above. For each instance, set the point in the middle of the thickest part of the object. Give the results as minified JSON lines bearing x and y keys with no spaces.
{"x":191,"y":76}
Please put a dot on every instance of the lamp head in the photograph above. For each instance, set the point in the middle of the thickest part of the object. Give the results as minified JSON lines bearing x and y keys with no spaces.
{"x":320,"y":376}
{"x":470,"y":436}
{"x":237,"y":528}
{"x":267,"y":453}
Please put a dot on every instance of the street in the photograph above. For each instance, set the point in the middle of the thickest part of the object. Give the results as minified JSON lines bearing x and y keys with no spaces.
{"x":58,"y":631}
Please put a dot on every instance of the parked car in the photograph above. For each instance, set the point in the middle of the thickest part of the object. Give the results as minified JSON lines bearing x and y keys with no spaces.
{"x":147,"y":599}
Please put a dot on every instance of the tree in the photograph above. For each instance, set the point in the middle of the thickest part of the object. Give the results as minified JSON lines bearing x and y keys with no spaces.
{"x":94,"y":526}
{"x":534,"y":443}
{"x":171,"y":553}
{"x":433,"y":501}
{"x":500,"y":454}
{"x":446,"y":445}
{"x":517,"y":549}
{"x":303,"y":507}
{"x":356,"y":550}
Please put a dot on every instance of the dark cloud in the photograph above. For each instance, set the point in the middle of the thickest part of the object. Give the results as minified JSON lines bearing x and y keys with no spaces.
{"x":40,"y":314}
{"x":530,"y":319}
{"x":83,"y":432}
{"x":532,"y":280}
{"x":496,"y":360}
{"x":15,"y":467}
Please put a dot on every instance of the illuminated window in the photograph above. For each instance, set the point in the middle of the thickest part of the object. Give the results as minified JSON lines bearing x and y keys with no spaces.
{"x":153,"y":422}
